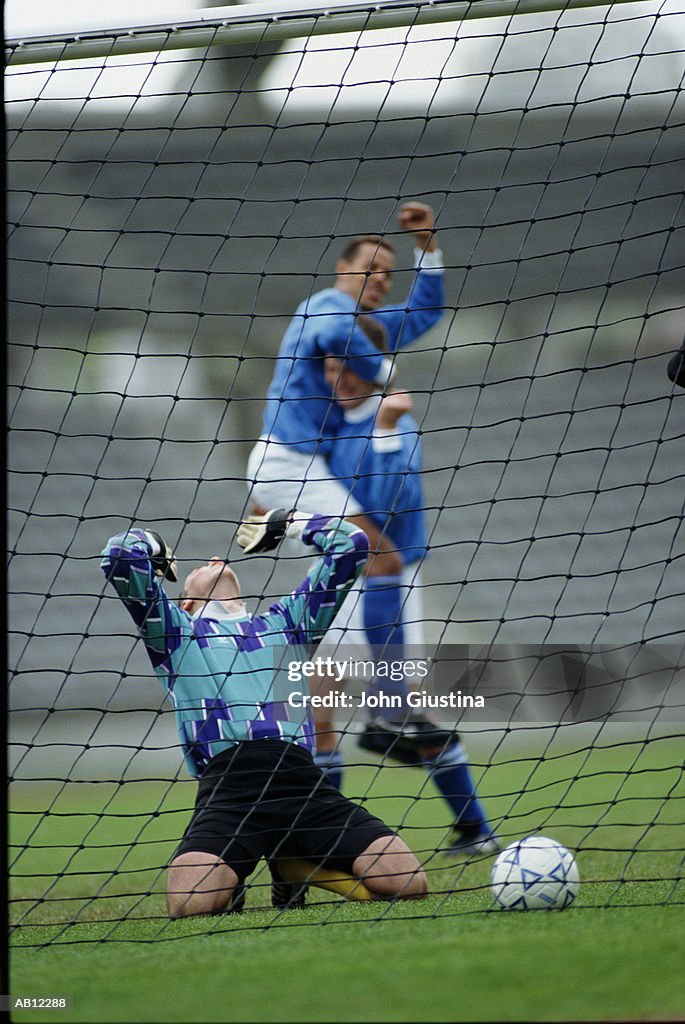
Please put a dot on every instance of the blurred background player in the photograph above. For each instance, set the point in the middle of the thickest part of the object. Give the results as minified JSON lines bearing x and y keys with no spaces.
{"x":288,"y":465}
{"x":259,"y":792}
{"x":376,"y":455}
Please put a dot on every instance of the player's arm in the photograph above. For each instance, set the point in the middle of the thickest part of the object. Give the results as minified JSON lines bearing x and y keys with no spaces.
{"x":394,"y":446}
{"x":306,"y":614}
{"x":344,"y":549}
{"x":424,"y":306}
{"x":135,"y":563}
{"x":392,"y":454}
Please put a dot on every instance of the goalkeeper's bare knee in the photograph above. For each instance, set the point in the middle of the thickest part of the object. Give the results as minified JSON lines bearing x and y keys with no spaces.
{"x":390,"y":870}
{"x":199,"y":883}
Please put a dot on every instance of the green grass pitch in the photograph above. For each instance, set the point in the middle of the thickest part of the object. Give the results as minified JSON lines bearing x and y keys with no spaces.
{"x":87,"y":886}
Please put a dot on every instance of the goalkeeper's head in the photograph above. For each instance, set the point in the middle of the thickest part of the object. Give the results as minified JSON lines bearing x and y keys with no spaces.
{"x":213,"y":582}
{"x":364,"y":270}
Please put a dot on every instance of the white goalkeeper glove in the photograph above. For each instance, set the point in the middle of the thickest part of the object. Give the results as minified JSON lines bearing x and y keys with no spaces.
{"x":162,"y":560}
{"x":262,"y":533}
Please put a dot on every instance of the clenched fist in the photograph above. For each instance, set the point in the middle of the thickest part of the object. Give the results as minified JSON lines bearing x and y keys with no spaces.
{"x":393,"y":406}
{"x":419,"y":218}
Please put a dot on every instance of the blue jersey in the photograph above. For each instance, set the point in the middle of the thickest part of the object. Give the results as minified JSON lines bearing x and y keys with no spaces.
{"x":299,"y":409}
{"x":227,"y":677}
{"x":383,"y":474}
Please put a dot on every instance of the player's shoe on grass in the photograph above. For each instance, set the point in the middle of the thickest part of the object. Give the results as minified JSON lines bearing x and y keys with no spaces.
{"x":472,"y":843}
{"x":286,"y":895}
{"x":408,"y":741}
{"x":238,"y":902}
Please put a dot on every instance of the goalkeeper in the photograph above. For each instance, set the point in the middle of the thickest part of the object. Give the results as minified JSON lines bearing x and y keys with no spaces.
{"x":377,"y":456}
{"x":288,"y":463}
{"x":259,"y":793}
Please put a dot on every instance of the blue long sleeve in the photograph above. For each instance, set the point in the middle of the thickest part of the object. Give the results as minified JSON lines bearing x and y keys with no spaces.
{"x":423,"y":308}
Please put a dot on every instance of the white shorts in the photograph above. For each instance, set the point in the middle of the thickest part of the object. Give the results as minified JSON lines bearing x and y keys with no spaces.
{"x":347,"y":628}
{"x":278,"y":476}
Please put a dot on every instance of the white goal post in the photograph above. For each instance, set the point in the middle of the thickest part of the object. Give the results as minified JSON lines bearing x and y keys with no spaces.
{"x":236,"y":25}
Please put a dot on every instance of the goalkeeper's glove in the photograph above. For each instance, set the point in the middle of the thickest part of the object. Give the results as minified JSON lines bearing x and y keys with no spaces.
{"x":262,"y":533}
{"x":162,"y":560}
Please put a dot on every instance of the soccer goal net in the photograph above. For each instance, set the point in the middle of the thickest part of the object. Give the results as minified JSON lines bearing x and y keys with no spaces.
{"x":175,"y":192}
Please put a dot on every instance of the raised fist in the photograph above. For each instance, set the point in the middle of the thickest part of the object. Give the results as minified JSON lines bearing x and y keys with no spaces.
{"x":418,"y":218}
{"x":392,"y":407}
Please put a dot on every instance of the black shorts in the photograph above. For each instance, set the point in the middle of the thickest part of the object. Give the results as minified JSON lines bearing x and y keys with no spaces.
{"x":267,"y":798}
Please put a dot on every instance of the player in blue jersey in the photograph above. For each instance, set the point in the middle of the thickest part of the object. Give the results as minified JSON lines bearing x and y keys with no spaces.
{"x":259,"y":793}
{"x":288,"y":464}
{"x":377,"y":456}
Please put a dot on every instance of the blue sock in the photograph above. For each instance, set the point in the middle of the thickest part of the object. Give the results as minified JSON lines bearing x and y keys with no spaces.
{"x":382,"y":613}
{"x":450,"y":771}
{"x":382,"y":617}
{"x":331,"y":764}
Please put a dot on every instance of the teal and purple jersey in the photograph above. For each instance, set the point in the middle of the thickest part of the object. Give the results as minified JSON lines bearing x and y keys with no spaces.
{"x":299,"y":409}
{"x":227,"y":676}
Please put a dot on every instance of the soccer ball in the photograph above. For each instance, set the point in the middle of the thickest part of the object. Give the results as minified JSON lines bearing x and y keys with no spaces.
{"x":535,"y":874}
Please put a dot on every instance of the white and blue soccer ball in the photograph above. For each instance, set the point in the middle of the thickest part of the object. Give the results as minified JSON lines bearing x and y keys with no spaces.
{"x":536,"y":873}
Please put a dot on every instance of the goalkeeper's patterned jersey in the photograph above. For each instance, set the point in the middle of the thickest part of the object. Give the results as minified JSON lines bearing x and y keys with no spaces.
{"x":299,"y":409}
{"x":382,"y":471}
{"x":228,"y":678}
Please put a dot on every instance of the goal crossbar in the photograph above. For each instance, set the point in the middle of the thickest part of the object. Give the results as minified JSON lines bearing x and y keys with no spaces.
{"x":259,"y":21}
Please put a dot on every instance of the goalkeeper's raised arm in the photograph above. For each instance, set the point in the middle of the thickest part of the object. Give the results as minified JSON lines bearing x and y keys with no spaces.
{"x":196,"y":644}
{"x":202,"y":647}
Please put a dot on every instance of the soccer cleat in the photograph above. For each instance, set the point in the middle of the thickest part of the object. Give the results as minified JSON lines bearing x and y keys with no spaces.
{"x":238,"y":902}
{"x":298,"y":875}
{"x":409,"y":741}
{"x":482,"y":844}
{"x":286,"y":895}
